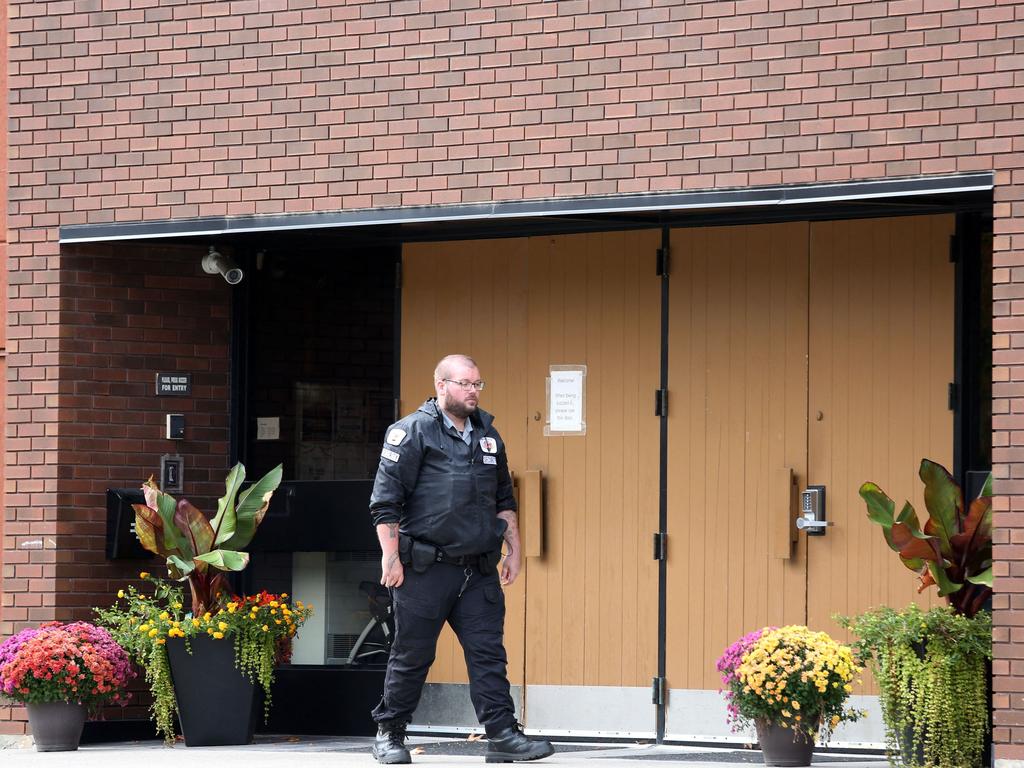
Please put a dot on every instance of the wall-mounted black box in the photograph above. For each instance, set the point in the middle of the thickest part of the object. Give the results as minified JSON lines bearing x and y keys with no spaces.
{"x":122,"y":544}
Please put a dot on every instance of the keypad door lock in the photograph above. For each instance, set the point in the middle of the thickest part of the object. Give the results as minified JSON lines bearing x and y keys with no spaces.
{"x":812,"y":511}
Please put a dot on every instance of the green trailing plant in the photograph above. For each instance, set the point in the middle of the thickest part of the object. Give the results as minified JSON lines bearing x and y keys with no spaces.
{"x":931,"y":666}
{"x":198,"y":549}
{"x":149,"y":652}
{"x":931,"y":672}
{"x":954,"y":548}
{"x":260,"y":627}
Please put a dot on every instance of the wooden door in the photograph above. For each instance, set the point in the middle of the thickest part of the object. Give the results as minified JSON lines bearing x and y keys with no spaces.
{"x":470,"y":297}
{"x":581,"y":628}
{"x":737,"y":418}
{"x":881,"y":361}
{"x":591,"y":602}
{"x":825,"y":348}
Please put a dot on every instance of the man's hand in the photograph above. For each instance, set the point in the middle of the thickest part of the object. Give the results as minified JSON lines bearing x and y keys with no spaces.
{"x":392,"y":570}
{"x":392,"y":574}
{"x":512,"y":562}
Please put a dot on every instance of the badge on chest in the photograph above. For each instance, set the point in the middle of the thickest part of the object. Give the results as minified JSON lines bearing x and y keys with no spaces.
{"x":488,"y":445}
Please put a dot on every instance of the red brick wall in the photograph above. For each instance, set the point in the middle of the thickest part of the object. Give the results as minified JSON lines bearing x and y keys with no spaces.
{"x":160,"y":110}
{"x":3,"y":278}
{"x":85,"y":417}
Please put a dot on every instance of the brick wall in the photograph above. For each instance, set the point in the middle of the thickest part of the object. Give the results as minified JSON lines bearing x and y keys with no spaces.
{"x":84,"y":416}
{"x":132,"y":110}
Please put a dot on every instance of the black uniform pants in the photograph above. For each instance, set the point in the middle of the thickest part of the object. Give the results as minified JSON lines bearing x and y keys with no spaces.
{"x":423,"y":603}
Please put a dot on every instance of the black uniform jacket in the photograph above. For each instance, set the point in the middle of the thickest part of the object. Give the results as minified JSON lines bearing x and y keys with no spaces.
{"x":426,"y":484}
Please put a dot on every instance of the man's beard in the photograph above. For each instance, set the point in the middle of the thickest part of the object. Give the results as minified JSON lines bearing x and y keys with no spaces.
{"x":457,"y":408}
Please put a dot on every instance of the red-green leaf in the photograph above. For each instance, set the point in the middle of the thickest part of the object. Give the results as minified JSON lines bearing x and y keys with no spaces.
{"x":149,"y":529}
{"x":911,"y":547}
{"x":944,"y":500}
{"x":880,"y":510}
{"x":195,"y":526}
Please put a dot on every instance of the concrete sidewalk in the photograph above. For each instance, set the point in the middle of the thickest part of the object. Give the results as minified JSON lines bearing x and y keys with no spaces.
{"x":342,"y":752}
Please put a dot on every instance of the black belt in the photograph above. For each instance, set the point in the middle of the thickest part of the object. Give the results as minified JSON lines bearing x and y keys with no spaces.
{"x":441,"y":557}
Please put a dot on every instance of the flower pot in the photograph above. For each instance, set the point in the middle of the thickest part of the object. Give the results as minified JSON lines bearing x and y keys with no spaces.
{"x":216,"y":702}
{"x":56,"y":725}
{"x":783,"y":746}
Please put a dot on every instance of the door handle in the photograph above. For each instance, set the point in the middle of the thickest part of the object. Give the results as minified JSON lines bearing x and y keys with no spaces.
{"x":532,"y":513}
{"x":803,"y":522}
{"x":783,"y":535}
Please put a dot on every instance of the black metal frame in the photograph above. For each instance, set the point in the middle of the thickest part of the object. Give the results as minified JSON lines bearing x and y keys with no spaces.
{"x":628,"y":210}
{"x":663,"y":492}
{"x":973,"y":351}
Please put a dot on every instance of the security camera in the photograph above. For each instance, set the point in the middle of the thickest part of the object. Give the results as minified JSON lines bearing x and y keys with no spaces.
{"x":217,"y":263}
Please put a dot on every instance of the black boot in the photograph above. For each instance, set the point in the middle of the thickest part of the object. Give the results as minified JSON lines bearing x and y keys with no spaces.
{"x":389,"y":746}
{"x":511,"y":745}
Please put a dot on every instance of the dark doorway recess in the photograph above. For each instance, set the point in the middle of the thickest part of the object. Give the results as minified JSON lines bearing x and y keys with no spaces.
{"x":972,"y":396}
{"x":316,"y":354}
{"x":314,"y":371}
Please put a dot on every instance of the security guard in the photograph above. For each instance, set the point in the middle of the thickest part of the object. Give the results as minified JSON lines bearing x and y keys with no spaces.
{"x":442,"y":504}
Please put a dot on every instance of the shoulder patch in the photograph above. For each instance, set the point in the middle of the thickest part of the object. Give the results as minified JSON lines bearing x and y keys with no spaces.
{"x":394,"y":456}
{"x":396,"y":436}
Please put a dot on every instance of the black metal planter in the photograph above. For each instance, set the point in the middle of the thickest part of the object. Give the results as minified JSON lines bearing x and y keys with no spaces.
{"x":216,"y":702}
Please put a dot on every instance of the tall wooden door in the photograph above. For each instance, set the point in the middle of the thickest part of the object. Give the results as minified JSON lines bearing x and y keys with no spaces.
{"x":581,"y":627}
{"x":881,"y":362}
{"x":822,"y":350}
{"x":469,"y":297}
{"x":737,"y":417}
{"x":591,"y":602}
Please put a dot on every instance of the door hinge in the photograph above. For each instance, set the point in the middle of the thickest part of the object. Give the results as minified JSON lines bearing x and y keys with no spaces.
{"x":954,"y":249}
{"x":658,"y":691}
{"x":661,"y":402}
{"x":661,"y":263}
{"x":660,"y":546}
{"x":952,"y":396}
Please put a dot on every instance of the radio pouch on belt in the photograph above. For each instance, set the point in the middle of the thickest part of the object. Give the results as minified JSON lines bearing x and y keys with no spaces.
{"x":489,"y":561}
{"x":418,"y":554}
{"x":423,"y":555}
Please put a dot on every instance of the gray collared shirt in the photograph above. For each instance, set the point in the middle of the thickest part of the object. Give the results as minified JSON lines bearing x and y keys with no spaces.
{"x":467,"y":436}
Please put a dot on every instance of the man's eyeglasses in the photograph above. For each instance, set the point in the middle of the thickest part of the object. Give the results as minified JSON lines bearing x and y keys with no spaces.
{"x":467,"y":385}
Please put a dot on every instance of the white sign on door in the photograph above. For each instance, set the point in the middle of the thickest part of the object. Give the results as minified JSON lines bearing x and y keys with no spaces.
{"x":567,"y":400}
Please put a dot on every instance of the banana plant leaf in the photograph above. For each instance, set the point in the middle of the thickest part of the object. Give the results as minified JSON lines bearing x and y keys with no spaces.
{"x":953,"y":550}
